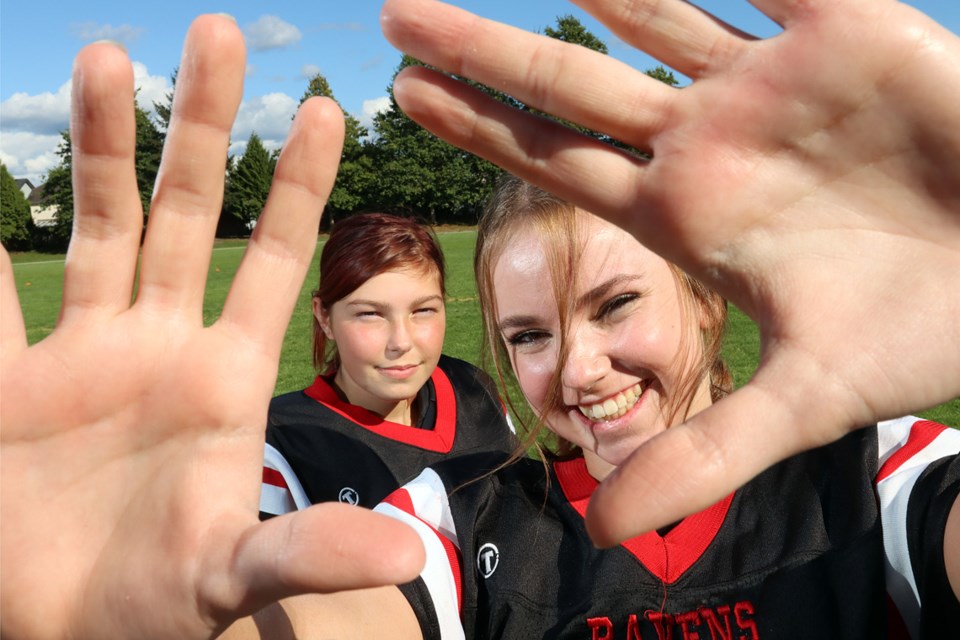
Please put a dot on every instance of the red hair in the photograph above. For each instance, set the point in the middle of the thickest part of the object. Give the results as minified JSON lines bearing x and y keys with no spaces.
{"x":363,"y":246}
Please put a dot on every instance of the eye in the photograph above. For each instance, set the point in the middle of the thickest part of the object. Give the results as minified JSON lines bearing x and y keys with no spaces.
{"x":425,"y":311}
{"x":617,"y":303}
{"x":529,"y":339}
{"x":366,"y":314}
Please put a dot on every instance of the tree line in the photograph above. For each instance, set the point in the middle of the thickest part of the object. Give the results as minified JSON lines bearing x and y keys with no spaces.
{"x":397,"y":166}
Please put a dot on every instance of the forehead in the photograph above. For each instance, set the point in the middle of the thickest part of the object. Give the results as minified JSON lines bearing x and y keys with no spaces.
{"x":522,"y":273}
{"x":398,"y":284}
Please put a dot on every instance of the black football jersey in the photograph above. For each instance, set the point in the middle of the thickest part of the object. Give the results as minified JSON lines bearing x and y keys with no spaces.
{"x":845,"y":541}
{"x":321,"y":449}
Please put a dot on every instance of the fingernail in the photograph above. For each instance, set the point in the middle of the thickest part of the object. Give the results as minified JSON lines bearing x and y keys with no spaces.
{"x":227,"y":15}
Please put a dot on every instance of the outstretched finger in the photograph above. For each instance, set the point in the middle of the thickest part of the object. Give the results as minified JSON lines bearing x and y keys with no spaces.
{"x":189,"y":188}
{"x":679,"y":34}
{"x":108,"y":218}
{"x":278,"y":256}
{"x":574,"y":166}
{"x":13,"y":335}
{"x":326,"y":548}
{"x":694,"y":465}
{"x":565,"y":80}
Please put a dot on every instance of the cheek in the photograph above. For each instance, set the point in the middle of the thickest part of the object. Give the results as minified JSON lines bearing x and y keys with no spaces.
{"x":534,"y":374}
{"x":429,"y":334}
{"x":360,"y":341}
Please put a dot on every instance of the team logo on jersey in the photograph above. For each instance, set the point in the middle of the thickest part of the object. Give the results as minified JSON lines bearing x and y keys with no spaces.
{"x":487,"y":559}
{"x":349,"y":496}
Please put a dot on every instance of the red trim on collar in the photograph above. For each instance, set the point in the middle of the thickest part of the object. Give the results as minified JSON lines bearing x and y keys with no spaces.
{"x":439,"y":439}
{"x":667,"y":557}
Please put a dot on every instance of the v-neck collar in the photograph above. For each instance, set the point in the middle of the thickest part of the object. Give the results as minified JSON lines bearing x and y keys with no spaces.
{"x":666,"y":556}
{"x":439,"y":439}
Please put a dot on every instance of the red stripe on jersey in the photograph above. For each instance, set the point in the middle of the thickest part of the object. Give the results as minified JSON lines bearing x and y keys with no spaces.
{"x":922,"y":433}
{"x":274,"y":477}
{"x":401,"y":500}
{"x":667,"y":557}
{"x":439,"y":439}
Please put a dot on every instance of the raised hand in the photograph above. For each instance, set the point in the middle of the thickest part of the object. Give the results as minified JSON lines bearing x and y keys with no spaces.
{"x":813,"y":178}
{"x":132,"y":437}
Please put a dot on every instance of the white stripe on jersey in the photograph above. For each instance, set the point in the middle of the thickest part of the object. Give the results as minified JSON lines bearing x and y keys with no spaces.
{"x":277,"y":500}
{"x":894,"y":492}
{"x":431,"y":515}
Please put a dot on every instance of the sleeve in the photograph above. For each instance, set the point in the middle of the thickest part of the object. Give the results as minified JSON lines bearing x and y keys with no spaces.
{"x":917,"y":482}
{"x":280,"y":489}
{"x":436,"y":595}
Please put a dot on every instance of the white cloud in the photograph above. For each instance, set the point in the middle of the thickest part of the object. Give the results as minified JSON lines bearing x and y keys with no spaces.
{"x":372,"y":108}
{"x":270,"y":116}
{"x":92,"y":31}
{"x":152,"y":88}
{"x":30,"y":125}
{"x":29,"y":155}
{"x":270,"y":32}
{"x":44,"y":113}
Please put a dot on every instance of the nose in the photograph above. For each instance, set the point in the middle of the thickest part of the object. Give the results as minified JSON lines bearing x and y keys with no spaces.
{"x":398,"y":341}
{"x":586,"y":363}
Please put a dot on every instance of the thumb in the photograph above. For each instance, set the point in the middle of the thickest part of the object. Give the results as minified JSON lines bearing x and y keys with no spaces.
{"x":695,"y":464}
{"x":323,"y":549}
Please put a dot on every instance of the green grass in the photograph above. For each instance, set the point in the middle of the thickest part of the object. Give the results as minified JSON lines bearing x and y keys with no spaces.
{"x":39,"y":279}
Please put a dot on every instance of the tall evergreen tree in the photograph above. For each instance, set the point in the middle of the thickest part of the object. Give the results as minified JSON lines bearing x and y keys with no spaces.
{"x":663,"y":74}
{"x":571,"y":30}
{"x":419,"y":173}
{"x":16,"y":223}
{"x":147,"y":158}
{"x":248,"y":184}
{"x":165,"y":108}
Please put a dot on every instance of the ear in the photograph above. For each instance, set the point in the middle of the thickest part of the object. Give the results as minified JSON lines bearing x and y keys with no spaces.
{"x":323,"y":317}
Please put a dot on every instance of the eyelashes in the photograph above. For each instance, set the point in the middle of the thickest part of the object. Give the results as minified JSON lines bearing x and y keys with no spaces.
{"x":611,"y":310}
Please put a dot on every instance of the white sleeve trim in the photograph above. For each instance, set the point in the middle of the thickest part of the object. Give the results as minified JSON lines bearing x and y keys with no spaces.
{"x":431,"y":515}
{"x":277,"y":500}
{"x":894,"y":495}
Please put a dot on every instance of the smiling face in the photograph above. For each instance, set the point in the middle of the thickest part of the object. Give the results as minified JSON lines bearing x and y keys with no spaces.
{"x":389,"y":334}
{"x":630,"y":346}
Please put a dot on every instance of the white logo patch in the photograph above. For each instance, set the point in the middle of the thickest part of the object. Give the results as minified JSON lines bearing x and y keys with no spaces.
{"x":349,"y":496}
{"x":487,"y":559}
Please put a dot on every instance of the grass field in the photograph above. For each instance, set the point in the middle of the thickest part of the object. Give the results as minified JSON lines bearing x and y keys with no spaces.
{"x":39,"y":280}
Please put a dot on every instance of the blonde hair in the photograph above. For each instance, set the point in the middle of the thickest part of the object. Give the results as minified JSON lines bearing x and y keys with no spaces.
{"x":515,"y":204}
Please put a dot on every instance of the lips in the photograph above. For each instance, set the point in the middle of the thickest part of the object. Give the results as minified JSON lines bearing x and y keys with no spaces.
{"x":615,"y":406}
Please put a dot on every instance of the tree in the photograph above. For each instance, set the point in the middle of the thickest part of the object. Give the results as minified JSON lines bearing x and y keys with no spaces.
{"x":662,"y":74}
{"x":248,"y":183}
{"x":147,"y":160}
{"x":58,"y":192}
{"x":571,"y":30}
{"x":165,"y":108}
{"x":16,"y":223}
{"x":419,"y":173}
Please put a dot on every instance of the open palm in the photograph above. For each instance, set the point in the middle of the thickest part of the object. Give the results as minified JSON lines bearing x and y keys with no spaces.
{"x":812,"y":178}
{"x":132,"y":436}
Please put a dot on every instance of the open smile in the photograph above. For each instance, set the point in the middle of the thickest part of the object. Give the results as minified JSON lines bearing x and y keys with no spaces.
{"x":616,"y":406}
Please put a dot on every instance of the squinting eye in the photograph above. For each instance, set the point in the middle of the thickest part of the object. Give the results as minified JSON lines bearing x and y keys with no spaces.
{"x":616,"y":303}
{"x":425,"y":311}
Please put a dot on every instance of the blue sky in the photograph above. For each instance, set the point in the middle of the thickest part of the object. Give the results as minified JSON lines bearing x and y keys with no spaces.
{"x":287,"y":42}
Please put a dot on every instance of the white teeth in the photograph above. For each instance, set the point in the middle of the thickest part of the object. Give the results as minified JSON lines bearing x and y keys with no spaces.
{"x":614,"y":407}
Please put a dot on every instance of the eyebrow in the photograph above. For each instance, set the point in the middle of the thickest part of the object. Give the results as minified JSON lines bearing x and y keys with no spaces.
{"x":603,"y":289}
{"x":376,"y":304}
